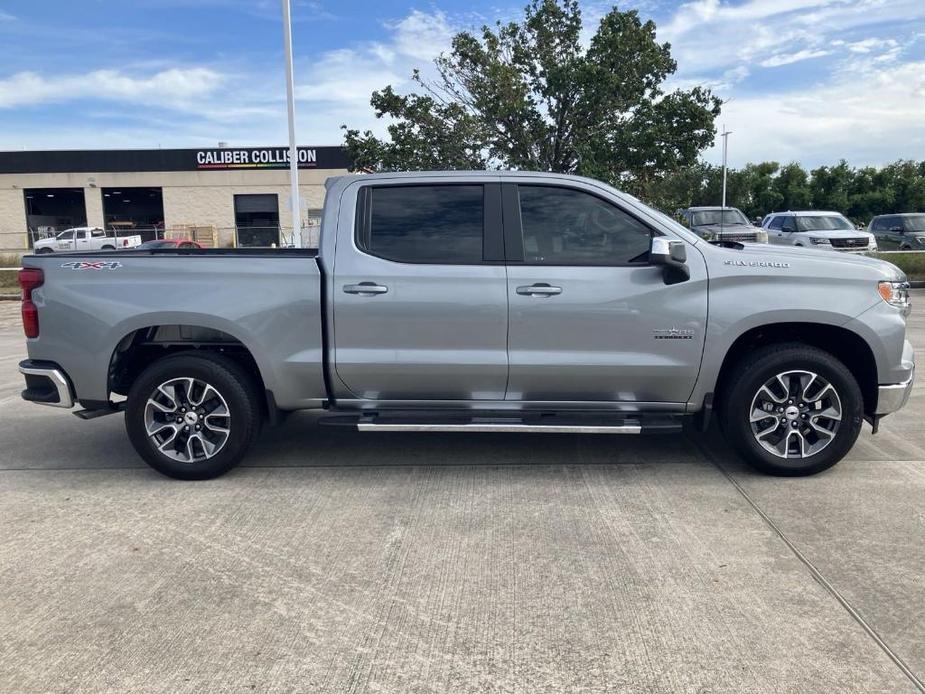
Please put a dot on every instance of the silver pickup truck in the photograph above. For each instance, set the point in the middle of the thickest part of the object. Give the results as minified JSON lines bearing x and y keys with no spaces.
{"x":487,"y":301}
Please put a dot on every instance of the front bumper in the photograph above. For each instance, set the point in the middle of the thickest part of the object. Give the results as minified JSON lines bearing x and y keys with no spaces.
{"x":46,"y":384}
{"x":894,"y":396}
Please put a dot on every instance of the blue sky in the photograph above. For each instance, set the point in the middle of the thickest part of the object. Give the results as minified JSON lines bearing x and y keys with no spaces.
{"x":806,"y":80}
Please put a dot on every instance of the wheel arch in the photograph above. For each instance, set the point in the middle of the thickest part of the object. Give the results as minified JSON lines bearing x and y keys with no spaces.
{"x":141,"y":346}
{"x":844,"y":344}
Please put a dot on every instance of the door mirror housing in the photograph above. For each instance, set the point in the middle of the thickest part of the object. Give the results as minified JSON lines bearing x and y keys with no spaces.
{"x":672,"y":257}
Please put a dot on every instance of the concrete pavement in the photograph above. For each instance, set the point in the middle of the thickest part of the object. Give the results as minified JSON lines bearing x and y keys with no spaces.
{"x":343,"y":562}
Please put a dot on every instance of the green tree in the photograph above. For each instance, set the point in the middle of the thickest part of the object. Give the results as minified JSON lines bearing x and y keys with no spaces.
{"x":529,"y":95}
{"x":830,"y":185}
{"x":792,"y":185}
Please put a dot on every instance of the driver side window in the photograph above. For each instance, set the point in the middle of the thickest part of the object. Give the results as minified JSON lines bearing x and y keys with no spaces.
{"x":564,"y":226}
{"x":790,"y":224}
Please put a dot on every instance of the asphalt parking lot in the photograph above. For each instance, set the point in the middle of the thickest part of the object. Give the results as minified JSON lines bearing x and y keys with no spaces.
{"x":342,"y":562}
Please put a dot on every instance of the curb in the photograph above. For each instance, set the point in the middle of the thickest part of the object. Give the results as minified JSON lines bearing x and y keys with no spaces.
{"x":917,"y":284}
{"x":10,"y":297}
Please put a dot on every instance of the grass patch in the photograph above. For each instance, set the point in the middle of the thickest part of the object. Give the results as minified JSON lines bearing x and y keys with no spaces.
{"x":9,"y":282}
{"x":913,"y":264}
{"x":9,"y":260}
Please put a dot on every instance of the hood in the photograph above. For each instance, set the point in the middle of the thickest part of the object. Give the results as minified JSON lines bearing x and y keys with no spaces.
{"x":837,"y":233}
{"x":41,"y":243}
{"x":811,"y":261}
{"x":717,"y":228}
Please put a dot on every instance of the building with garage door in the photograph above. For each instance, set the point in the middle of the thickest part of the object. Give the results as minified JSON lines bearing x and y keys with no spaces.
{"x":224,"y":196}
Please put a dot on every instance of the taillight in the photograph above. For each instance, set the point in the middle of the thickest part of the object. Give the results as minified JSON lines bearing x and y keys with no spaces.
{"x":124,"y":243}
{"x":30,"y":278}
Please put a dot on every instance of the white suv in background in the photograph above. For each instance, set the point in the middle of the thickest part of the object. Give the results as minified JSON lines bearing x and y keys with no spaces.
{"x":817,"y":229}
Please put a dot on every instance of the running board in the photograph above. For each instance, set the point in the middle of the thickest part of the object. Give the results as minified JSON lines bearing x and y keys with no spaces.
{"x":497,"y":426}
{"x":528,"y":423}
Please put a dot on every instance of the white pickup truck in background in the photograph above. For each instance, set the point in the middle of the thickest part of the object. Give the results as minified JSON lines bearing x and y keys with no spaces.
{"x":86,"y":239}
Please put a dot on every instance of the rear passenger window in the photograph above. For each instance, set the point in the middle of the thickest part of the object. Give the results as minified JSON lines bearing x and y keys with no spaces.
{"x":564,"y":226}
{"x":441,"y":224}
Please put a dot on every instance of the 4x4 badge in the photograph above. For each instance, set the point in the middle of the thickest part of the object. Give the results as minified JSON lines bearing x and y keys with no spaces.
{"x":92,"y":265}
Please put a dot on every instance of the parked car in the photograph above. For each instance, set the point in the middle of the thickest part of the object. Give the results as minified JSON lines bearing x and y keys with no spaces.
{"x":722,"y":224}
{"x":817,"y":229}
{"x":899,"y":232}
{"x":85,"y":239}
{"x":168,"y":243}
{"x":473,"y":302}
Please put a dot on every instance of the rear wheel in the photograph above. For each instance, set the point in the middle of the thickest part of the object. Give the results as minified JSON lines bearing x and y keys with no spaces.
{"x":193,"y":416}
{"x":108,"y":247}
{"x":792,"y":410}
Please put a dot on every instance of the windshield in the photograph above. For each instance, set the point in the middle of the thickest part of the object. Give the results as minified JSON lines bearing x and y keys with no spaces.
{"x":728,"y":216}
{"x":157,"y":244}
{"x":833,"y":222}
{"x":915,"y":222}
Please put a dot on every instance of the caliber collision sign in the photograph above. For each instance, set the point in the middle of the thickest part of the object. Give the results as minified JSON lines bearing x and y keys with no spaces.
{"x":259,"y":158}
{"x":134,"y":160}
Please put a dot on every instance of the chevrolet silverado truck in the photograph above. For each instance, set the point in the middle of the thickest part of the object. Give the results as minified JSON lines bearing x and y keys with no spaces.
{"x":473,"y":302}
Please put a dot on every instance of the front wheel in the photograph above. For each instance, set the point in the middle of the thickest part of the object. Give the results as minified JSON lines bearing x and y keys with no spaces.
{"x":192,"y":417}
{"x":792,"y":410}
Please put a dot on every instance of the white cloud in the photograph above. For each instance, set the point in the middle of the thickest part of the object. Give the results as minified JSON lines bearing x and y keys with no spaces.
{"x":789,"y":58}
{"x":866,"y":115}
{"x":173,"y":88}
{"x":336,"y":88}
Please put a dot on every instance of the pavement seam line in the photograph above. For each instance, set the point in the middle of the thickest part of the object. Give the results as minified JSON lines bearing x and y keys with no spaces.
{"x":814,"y":571}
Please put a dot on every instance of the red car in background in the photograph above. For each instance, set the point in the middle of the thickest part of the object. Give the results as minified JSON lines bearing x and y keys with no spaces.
{"x":167,"y":243}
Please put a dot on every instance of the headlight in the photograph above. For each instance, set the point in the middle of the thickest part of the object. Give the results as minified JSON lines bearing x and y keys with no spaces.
{"x":820,"y":242}
{"x":761,"y":236}
{"x":894,"y":293}
{"x":873,"y":243}
{"x":708,"y":235}
{"x":920,"y":240}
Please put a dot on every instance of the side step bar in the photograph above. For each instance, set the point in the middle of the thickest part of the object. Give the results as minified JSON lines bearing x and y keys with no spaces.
{"x":628,"y":428}
{"x":547,"y":423}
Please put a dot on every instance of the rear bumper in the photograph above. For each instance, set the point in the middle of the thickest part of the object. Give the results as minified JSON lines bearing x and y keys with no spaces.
{"x":46,"y":384}
{"x":894,"y":396}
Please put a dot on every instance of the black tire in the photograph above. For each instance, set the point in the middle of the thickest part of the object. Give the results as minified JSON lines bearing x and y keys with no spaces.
{"x":43,"y":251}
{"x":232,"y":384}
{"x":755,"y":370}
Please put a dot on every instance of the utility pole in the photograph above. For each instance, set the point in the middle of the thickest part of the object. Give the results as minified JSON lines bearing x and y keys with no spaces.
{"x":725,"y":135}
{"x":293,"y":152}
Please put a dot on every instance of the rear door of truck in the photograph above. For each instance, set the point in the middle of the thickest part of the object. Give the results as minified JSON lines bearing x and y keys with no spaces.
{"x":420,"y":291}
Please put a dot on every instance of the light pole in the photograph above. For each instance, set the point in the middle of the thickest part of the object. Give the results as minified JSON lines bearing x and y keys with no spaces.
{"x":725,"y":135}
{"x":293,"y":153}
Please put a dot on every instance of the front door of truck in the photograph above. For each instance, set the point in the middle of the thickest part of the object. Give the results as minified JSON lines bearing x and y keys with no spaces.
{"x":420,"y":294}
{"x":591,"y":320}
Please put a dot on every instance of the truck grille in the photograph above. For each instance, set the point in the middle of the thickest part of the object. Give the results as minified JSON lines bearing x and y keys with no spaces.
{"x":854,"y":242}
{"x":741,"y":237}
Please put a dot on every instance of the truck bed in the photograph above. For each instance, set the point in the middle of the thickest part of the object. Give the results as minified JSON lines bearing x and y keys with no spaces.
{"x":269,"y":300}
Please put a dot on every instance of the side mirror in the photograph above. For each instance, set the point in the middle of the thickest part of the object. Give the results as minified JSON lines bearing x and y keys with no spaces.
{"x":672,"y":256}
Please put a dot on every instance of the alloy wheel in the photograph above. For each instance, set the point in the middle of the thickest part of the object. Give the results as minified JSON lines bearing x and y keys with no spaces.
{"x":795,"y":414}
{"x":187,"y":420}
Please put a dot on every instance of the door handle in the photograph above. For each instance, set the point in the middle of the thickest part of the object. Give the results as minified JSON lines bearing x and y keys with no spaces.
{"x":539,"y":289}
{"x":365,"y":289}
